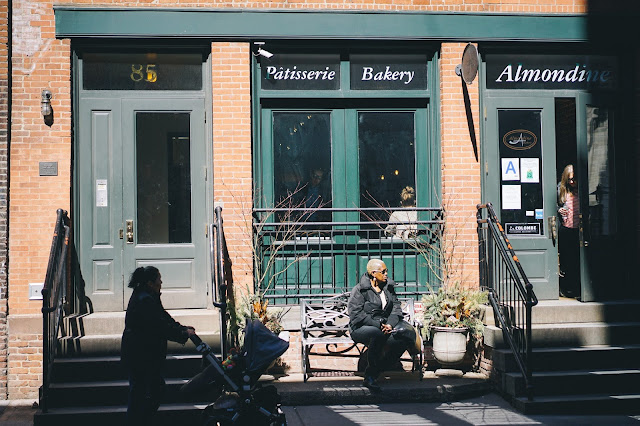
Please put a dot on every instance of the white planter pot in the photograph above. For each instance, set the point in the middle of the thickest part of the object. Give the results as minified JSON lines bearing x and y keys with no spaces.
{"x":449,"y":345}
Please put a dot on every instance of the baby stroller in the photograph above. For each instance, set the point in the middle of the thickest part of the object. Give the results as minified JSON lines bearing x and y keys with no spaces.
{"x":243,"y":400}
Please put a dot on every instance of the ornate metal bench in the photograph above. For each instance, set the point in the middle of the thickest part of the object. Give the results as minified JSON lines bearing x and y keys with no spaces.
{"x":325,"y":321}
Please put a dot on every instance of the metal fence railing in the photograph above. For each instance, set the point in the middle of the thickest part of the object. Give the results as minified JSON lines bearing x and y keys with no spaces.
{"x":53,"y":299}
{"x":511,"y":294}
{"x":297,"y":257}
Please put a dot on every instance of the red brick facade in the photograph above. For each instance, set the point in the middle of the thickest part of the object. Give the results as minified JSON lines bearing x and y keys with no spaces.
{"x":40,"y":61}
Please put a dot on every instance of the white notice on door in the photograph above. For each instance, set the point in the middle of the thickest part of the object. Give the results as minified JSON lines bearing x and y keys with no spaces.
{"x":510,"y":169}
{"x":530,"y":168}
{"x":511,"y":197}
{"x":101,"y":193}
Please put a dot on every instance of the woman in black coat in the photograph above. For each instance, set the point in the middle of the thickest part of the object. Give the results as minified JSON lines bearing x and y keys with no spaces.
{"x":375,"y":320}
{"x":144,"y":344}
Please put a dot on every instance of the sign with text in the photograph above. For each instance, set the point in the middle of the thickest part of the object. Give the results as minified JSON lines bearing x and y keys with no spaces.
{"x":301,"y":72}
{"x":577,"y":72}
{"x":388,"y":72}
{"x":522,"y":228}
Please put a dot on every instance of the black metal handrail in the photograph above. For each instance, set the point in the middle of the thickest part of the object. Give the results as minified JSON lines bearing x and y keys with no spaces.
{"x":53,"y":299}
{"x":511,"y":294}
{"x":298,"y":257}
{"x":219,"y":256}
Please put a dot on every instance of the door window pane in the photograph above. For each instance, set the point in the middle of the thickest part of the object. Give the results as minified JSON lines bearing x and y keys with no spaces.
{"x":387,"y":157}
{"x":601,"y":188}
{"x":163,"y":172}
{"x":302,"y":161}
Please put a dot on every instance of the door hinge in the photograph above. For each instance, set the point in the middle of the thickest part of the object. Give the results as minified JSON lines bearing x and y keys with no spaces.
{"x":206,"y":231}
{"x":485,"y":112}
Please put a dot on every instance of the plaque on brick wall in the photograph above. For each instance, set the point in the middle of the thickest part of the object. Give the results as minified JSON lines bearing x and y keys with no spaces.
{"x":48,"y":168}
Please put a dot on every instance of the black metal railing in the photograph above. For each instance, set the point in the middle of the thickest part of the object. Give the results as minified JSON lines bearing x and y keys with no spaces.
{"x":511,"y":294}
{"x":53,"y":299}
{"x":297,"y":257}
{"x":220,"y":274}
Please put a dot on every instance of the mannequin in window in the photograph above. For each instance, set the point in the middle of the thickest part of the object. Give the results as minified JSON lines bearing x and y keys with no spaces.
{"x":569,"y":212}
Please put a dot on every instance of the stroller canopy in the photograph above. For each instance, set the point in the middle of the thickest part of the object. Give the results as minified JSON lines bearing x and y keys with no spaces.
{"x":261,"y":346}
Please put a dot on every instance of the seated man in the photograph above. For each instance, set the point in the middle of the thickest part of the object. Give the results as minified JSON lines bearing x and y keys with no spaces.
{"x":375,"y":320}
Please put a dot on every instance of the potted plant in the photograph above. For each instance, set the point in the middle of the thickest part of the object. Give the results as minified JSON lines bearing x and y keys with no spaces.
{"x":452,"y":316}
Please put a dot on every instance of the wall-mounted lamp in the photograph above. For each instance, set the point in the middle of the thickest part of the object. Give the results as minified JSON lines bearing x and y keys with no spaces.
{"x":261,"y":51}
{"x":45,"y":103}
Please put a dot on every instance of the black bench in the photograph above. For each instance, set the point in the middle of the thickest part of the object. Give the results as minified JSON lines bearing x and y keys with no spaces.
{"x":325,"y":321}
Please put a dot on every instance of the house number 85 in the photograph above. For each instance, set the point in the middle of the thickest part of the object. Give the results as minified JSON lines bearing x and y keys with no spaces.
{"x":138,"y":73}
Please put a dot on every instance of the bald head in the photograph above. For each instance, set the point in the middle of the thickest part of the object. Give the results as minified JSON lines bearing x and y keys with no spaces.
{"x":375,"y":265}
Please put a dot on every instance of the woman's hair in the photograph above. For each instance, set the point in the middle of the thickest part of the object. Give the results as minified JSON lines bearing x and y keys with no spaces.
{"x":143,"y":275}
{"x":564,"y":184}
{"x":408,"y":197}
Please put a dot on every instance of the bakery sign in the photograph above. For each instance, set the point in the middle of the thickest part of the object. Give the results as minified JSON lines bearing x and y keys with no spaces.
{"x":577,"y":72}
{"x":366,"y":72}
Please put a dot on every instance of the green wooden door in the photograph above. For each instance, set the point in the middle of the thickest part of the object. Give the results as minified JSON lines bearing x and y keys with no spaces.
{"x":520,"y":181}
{"x":142,"y":169}
{"x":599,"y":238}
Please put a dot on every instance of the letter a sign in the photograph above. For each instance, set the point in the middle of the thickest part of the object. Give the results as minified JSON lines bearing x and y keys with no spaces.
{"x":510,"y":169}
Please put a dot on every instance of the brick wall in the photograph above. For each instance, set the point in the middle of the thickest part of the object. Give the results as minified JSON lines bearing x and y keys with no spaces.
{"x":4,"y":140}
{"x":460,"y":167}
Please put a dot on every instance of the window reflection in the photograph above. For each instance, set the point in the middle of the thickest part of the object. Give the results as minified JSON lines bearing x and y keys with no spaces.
{"x":163,"y":169}
{"x":386,"y":150}
{"x":302,"y":162}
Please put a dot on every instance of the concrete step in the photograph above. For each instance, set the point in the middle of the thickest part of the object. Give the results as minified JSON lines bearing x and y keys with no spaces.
{"x":115,"y":392}
{"x":555,"y":383}
{"x":168,"y":415}
{"x":95,"y":369}
{"x":601,"y":403}
{"x":572,"y":334}
{"x":572,"y":358}
{"x":572,"y":311}
{"x":106,"y":323}
{"x":109,"y":345}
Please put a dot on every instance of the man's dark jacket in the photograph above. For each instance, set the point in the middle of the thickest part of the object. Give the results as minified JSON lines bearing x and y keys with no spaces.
{"x":147,"y":328}
{"x":365,"y":305}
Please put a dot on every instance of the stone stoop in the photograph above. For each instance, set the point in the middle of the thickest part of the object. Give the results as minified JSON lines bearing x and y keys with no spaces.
{"x":586,"y":359}
{"x":90,"y":386}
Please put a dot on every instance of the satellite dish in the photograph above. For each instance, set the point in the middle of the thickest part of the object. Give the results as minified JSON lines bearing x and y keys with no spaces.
{"x":468,"y":69}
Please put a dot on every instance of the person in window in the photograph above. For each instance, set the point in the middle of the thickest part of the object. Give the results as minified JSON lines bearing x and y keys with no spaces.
{"x":144,"y":344}
{"x":375,"y":320}
{"x":569,"y":211}
{"x":315,"y":196}
{"x":402,"y":223}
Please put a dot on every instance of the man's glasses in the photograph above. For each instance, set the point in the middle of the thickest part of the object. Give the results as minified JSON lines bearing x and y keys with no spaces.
{"x":319,"y":177}
{"x":383,"y":272}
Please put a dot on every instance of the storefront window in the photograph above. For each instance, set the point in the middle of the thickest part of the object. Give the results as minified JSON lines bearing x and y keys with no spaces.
{"x":387,"y":157}
{"x":302,"y":161}
{"x":601,"y":194}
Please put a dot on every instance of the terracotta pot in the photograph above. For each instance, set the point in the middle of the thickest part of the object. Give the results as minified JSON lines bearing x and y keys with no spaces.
{"x":449,"y":345}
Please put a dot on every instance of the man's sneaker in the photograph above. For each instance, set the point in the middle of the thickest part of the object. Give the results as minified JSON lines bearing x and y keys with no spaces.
{"x":370,"y":382}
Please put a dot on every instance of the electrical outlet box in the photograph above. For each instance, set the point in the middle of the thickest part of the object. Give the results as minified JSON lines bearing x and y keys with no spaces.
{"x":35,"y":291}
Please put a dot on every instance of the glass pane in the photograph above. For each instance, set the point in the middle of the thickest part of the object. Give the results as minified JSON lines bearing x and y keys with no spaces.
{"x":163,"y":169}
{"x":142,"y":71}
{"x":601,"y":187}
{"x":387,"y":156}
{"x":520,"y":148}
{"x":302,"y":161}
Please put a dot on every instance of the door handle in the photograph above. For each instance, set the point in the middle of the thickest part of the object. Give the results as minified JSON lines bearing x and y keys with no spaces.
{"x":583,"y":241}
{"x":129,"y":231}
{"x":553,"y":228}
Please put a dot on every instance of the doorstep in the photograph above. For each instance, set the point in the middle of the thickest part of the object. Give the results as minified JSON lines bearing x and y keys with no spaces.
{"x":440,"y":385}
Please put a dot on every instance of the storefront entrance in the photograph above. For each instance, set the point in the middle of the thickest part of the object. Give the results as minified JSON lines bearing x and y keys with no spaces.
{"x":141,"y":195}
{"x":530,"y":140}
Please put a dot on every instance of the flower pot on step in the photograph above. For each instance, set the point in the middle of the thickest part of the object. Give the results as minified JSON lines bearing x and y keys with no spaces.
{"x":449,"y":345}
